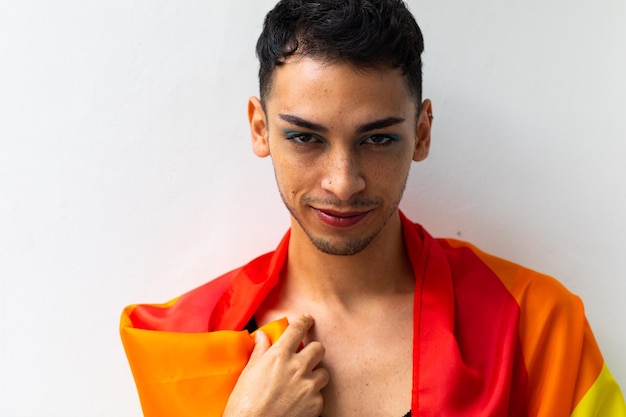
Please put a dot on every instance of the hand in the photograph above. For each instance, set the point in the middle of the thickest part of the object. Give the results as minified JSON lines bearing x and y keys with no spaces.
{"x":278,"y":381}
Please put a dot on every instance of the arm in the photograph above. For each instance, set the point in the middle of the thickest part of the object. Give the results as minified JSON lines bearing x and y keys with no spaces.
{"x":566,"y":370}
{"x":602,"y":399}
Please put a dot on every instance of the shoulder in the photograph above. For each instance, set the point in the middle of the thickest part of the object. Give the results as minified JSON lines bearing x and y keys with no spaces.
{"x":561,"y":359}
{"x":206,"y":306}
{"x":534,"y":291}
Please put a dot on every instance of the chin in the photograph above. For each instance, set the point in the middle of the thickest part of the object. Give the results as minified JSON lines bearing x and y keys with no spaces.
{"x":346,"y":248}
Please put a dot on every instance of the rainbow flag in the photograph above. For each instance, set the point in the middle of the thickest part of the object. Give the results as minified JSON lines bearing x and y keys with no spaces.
{"x":491,"y":338}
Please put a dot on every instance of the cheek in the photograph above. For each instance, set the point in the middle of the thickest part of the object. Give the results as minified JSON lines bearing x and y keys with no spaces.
{"x":388,"y":172}
{"x":292,"y":175}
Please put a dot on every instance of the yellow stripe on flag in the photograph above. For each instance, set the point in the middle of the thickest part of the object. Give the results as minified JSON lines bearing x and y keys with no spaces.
{"x":603,"y":399}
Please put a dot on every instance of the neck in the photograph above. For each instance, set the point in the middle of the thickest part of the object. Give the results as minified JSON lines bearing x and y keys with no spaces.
{"x":382,"y":268}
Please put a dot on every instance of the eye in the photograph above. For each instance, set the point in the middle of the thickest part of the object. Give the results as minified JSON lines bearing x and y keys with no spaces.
{"x":380,"y":139}
{"x":302,"y":138}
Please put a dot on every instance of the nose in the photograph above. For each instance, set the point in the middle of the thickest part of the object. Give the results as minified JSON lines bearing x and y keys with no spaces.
{"x":342,"y":175}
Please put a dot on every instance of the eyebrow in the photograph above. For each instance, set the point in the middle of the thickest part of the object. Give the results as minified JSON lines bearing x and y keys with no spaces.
{"x":300,"y":122}
{"x":366,"y":127}
{"x":379,"y":124}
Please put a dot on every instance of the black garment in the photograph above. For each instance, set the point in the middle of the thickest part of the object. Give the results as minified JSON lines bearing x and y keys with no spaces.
{"x":251,"y":326}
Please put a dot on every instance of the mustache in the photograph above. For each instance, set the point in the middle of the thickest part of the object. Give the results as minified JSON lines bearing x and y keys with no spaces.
{"x":352,"y":203}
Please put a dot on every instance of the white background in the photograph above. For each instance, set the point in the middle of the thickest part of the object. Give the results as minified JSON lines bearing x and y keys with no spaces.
{"x":126,"y":173}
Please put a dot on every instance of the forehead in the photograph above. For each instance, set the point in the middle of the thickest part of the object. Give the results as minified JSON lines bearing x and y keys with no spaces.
{"x":305,"y":84}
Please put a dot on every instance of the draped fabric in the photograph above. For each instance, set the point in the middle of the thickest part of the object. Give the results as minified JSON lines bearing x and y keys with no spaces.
{"x":491,"y":338}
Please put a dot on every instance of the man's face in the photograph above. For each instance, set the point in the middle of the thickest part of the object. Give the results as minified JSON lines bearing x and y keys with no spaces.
{"x":342,"y":142}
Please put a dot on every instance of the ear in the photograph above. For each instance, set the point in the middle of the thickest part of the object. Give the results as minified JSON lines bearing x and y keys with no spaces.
{"x":258,"y":128}
{"x":424,"y":125}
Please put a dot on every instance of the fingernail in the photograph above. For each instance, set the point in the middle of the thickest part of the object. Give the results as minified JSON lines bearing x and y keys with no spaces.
{"x":258,"y":335}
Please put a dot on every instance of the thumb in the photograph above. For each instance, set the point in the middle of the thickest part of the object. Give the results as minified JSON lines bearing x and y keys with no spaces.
{"x":261,"y":345}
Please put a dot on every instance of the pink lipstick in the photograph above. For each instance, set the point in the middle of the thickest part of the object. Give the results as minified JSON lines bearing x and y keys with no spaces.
{"x":338,"y":219}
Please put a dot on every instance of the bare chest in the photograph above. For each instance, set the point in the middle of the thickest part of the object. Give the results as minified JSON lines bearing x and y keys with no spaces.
{"x":370,"y":368}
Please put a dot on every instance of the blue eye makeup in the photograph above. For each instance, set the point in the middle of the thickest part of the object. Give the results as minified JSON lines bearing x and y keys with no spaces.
{"x":304,"y":138}
{"x":301,"y":137}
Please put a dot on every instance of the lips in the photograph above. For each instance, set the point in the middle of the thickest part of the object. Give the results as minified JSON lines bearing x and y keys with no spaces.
{"x":339,"y":219}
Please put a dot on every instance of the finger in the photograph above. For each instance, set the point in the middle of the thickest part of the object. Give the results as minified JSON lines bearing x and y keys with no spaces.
{"x":317,"y":404}
{"x":321,"y":378}
{"x":295,"y":332}
{"x":261,"y":344}
{"x":313,"y":354}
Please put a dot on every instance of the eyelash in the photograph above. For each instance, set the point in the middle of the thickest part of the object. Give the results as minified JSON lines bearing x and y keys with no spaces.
{"x":388,"y":139}
{"x":309,"y":138}
{"x":298,"y":137}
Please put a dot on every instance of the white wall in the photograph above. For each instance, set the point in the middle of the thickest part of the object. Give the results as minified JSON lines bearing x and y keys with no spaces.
{"x":126,"y":174}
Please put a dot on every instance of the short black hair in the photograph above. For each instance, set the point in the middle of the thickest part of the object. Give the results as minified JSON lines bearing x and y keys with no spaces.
{"x":366,"y":33}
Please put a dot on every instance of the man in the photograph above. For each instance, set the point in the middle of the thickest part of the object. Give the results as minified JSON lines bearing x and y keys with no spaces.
{"x":384,"y":319}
